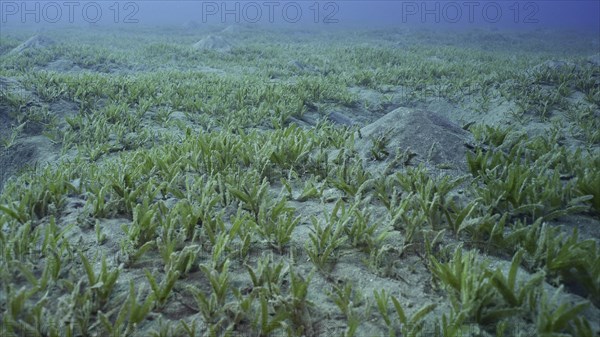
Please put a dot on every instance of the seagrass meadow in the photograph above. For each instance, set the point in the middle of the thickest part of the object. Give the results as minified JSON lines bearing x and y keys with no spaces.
{"x":202,"y":181}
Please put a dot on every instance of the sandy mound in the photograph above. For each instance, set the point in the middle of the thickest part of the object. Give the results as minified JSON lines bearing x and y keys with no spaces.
{"x":594,"y":60}
{"x":232,"y":30}
{"x":27,"y":153}
{"x":35,"y":42}
{"x":302,"y":67}
{"x":213,"y":42}
{"x":435,"y":140}
{"x":554,"y":66}
{"x":29,"y":147}
{"x":192,"y":24}
{"x":8,"y":113}
{"x":62,"y":65}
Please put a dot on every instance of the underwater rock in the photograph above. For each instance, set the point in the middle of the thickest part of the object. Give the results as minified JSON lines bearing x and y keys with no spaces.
{"x":435,"y":140}
{"x":35,"y":42}
{"x":213,"y":42}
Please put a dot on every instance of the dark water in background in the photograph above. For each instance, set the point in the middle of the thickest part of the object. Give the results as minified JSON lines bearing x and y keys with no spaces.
{"x":548,"y":14}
